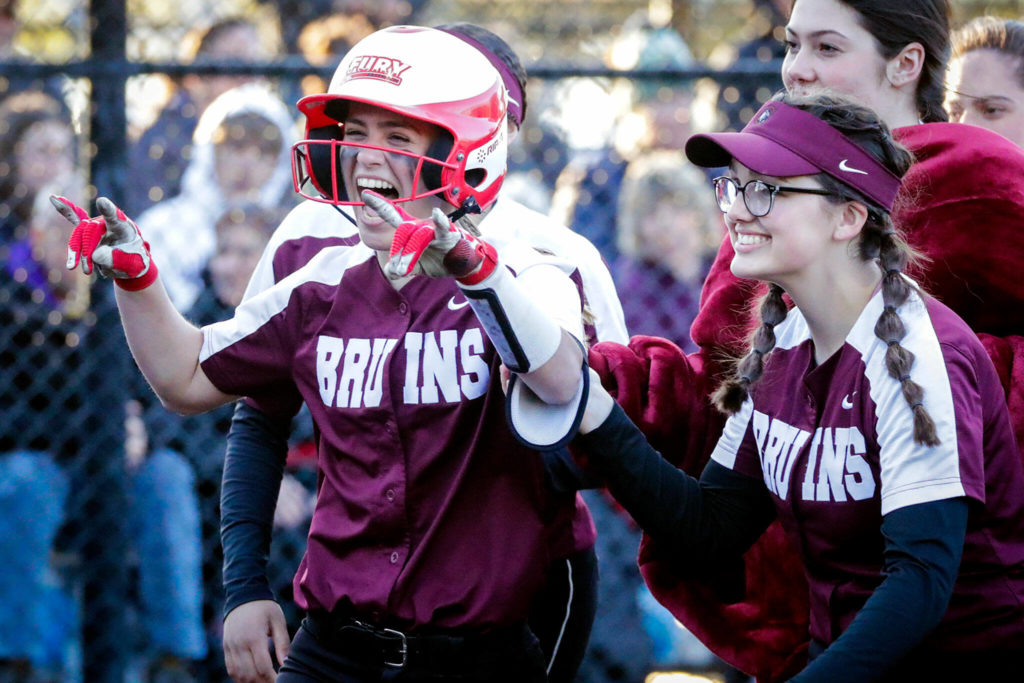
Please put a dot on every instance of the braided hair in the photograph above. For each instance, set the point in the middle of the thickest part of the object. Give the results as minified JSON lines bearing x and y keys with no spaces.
{"x":878,"y":241}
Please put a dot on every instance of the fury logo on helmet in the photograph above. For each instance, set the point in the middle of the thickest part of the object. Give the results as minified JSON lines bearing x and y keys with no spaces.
{"x":379,"y":68}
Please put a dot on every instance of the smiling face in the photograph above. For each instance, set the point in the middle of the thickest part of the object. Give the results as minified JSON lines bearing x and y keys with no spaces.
{"x":388,"y":174}
{"x":791,"y":242}
{"x":826,"y":47}
{"x":985,"y":90}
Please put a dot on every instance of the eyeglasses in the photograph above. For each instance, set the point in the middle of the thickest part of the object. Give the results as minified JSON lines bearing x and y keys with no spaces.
{"x":758,"y":196}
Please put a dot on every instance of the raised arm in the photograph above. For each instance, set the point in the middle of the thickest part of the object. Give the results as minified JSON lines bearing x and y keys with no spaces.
{"x":165,"y":345}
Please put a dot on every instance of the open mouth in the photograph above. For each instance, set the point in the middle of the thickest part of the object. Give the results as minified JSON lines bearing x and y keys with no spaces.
{"x":381,"y":187}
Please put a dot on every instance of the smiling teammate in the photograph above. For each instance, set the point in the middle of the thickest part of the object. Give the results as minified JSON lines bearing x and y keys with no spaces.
{"x":433,"y":527}
{"x":868,"y":419}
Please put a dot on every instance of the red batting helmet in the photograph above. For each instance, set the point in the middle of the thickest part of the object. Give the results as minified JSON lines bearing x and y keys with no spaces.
{"x":427,"y":75}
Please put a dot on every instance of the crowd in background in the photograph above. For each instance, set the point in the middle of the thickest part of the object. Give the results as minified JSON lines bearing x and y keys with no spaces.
{"x":209,"y":178}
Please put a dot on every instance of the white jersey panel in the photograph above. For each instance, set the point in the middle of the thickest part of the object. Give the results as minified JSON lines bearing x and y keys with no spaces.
{"x":911,"y":473}
{"x":728,"y":446}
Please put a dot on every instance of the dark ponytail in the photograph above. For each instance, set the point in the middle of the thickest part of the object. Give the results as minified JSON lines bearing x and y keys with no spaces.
{"x":894,"y":24}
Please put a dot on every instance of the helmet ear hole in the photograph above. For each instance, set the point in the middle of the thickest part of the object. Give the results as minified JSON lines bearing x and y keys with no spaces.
{"x":439,"y":149}
{"x":475,"y":176}
{"x":322,"y":158}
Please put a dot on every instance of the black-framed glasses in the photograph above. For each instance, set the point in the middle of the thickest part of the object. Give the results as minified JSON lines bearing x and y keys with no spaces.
{"x":758,"y":196}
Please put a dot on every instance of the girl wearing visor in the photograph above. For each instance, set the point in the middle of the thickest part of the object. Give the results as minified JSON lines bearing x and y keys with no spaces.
{"x":433,"y":526}
{"x":868,"y":418}
{"x":965,"y":182}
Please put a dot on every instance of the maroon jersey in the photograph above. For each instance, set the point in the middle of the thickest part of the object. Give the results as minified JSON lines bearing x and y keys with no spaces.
{"x":312,"y":226}
{"x":428,"y":511}
{"x":834,"y":445}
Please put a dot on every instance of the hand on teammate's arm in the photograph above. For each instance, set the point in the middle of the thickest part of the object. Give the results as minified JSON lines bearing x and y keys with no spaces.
{"x":246,"y":630}
{"x":599,"y":405}
{"x":165,"y":345}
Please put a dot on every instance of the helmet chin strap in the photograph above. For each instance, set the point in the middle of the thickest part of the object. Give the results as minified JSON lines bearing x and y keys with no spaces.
{"x":347,"y":217}
{"x":468,"y":206}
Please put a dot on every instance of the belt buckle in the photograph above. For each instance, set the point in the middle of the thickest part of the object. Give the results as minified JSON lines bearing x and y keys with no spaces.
{"x":403,"y":649}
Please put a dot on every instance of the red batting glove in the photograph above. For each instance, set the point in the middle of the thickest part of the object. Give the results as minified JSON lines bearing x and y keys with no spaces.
{"x":111,"y":243}
{"x":438,"y":247}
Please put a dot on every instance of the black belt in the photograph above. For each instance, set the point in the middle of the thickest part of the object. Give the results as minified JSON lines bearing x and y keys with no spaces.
{"x":386,"y":647}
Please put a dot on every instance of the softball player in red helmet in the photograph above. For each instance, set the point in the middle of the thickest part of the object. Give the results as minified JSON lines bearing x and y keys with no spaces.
{"x":868,"y":418}
{"x":433,"y":525}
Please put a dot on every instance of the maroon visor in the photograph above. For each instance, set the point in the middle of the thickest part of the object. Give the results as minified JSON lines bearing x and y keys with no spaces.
{"x":784,"y":141}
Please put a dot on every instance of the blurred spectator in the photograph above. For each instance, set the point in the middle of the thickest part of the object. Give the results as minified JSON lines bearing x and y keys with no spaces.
{"x":379,"y":13}
{"x":541,"y":155}
{"x":159,"y":157}
{"x":985,"y":81}
{"x":324,"y":41}
{"x":737,"y":101}
{"x":241,"y":234}
{"x":41,"y":310}
{"x":8,"y":28}
{"x":168,"y":556}
{"x":241,"y":153}
{"x":11,"y":83}
{"x":669,"y":229}
{"x":586,"y":194}
{"x":54,"y":401}
{"x":37,"y":149}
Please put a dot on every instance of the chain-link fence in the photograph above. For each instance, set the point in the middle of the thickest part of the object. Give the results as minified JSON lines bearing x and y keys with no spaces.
{"x":109,"y":504}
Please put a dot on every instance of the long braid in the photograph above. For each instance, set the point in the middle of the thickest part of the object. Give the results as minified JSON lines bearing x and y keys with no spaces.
{"x":891,"y":330}
{"x":731,"y":394}
{"x":878,"y":241}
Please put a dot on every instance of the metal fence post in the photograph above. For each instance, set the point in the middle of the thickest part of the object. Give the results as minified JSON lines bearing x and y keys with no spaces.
{"x":107,"y":642}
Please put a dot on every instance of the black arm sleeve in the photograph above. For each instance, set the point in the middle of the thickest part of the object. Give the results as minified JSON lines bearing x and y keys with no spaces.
{"x":700,"y":526}
{"x":923,"y":545}
{"x":253,"y":467}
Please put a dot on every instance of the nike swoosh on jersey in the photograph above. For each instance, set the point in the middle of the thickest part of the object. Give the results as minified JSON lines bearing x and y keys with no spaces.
{"x":847,"y":403}
{"x":843,"y":166}
{"x":454,"y":306}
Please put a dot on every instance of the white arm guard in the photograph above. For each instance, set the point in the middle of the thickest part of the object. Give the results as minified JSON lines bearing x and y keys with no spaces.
{"x":525,"y":337}
{"x":540,"y":425}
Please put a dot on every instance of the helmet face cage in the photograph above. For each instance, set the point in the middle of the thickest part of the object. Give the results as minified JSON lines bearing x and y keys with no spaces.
{"x":471,"y":110}
{"x":317,"y":171}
